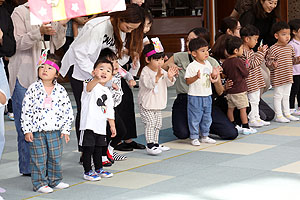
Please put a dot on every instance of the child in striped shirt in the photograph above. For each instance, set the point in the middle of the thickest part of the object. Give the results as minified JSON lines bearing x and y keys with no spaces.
{"x":280,"y":59}
{"x":255,"y":80}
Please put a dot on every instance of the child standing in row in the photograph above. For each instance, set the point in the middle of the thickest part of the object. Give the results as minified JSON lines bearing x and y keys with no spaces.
{"x":46,"y":118}
{"x":152,"y":97}
{"x":295,"y":42}
{"x":255,"y":80}
{"x":97,"y":108}
{"x":280,"y":59}
{"x":234,"y":68}
{"x":199,"y":78}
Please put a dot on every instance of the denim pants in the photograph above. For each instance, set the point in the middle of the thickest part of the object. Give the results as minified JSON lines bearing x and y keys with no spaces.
{"x":23,"y":146}
{"x":199,"y":115}
{"x":2,"y":138}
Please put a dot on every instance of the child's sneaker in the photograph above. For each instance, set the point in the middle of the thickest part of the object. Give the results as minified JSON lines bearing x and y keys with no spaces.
{"x":292,"y":118}
{"x":264,"y":122}
{"x":106,"y":163}
{"x":45,"y":189}
{"x":119,"y":157}
{"x":208,"y":140}
{"x":104,"y":174}
{"x":110,"y":157}
{"x":195,"y":142}
{"x":255,"y":123}
{"x":239,"y":129}
{"x":248,"y":131}
{"x":296,"y":113}
{"x":91,"y":176}
{"x":282,"y":119}
{"x":154,"y":150}
{"x":164,"y":148}
{"x":62,"y":185}
{"x":11,"y":116}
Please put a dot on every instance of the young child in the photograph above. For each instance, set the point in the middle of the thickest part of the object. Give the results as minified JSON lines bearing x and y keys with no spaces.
{"x":255,"y":80}
{"x":96,"y":109}
{"x":234,"y":68}
{"x":152,"y":97}
{"x":295,"y":42}
{"x":199,"y":77}
{"x":280,"y":59}
{"x":46,"y":118}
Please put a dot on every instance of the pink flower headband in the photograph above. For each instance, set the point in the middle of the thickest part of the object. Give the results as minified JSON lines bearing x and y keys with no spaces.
{"x":43,"y":60}
{"x":158,"y":48}
{"x":53,"y":64}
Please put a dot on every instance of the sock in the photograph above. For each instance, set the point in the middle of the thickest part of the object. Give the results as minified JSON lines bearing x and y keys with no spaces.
{"x":156,"y":145}
{"x":104,"y":158}
{"x":245,"y":125}
{"x":234,"y":123}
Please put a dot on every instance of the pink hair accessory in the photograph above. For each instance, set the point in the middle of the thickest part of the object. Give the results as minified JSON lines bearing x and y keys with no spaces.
{"x":53,"y":64}
{"x":158,"y":48}
{"x":151,"y":53}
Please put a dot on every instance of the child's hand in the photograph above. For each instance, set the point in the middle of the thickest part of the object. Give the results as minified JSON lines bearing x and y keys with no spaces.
{"x":263,"y":48}
{"x":274,"y":64}
{"x":67,"y":137}
{"x":29,"y":137}
{"x":115,"y":86}
{"x":215,"y":73}
{"x":113,"y":131}
{"x":213,"y":79}
{"x":228,"y":84}
{"x":172,"y":72}
{"x":199,"y":74}
{"x":220,"y":69}
{"x":159,"y":74}
{"x":131,"y":83}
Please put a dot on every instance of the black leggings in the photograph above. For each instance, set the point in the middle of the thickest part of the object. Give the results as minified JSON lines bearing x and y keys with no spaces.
{"x":295,"y":91}
{"x":88,"y":152}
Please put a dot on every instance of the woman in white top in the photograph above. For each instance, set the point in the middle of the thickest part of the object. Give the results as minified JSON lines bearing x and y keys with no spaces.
{"x":97,"y":34}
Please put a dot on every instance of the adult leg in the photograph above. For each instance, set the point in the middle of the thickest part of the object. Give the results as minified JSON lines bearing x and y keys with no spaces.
{"x":221,"y":125}
{"x":38,"y":160}
{"x":77,"y":88}
{"x":55,"y":149}
{"x":294,"y":92}
{"x":180,"y":118}
{"x":2,"y":131}
{"x":23,"y":146}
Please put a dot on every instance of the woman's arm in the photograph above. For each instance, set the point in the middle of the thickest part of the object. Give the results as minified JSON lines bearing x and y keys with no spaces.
{"x":2,"y":98}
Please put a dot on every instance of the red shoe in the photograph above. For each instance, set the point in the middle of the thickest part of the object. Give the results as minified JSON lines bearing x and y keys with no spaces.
{"x":110,"y":157}
{"x":106,"y":164}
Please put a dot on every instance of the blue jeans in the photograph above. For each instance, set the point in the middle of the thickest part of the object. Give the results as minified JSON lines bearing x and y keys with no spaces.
{"x":199,"y":115}
{"x":23,"y":146}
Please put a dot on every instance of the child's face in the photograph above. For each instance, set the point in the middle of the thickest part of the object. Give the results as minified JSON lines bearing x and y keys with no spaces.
{"x":47,"y":72}
{"x":297,"y":34}
{"x":103,"y":72}
{"x":191,"y":36}
{"x":283,"y":36}
{"x":252,"y":41}
{"x":240,"y":51}
{"x":115,"y":65}
{"x":147,"y":26}
{"x":155,"y":63}
{"x":201,"y":54}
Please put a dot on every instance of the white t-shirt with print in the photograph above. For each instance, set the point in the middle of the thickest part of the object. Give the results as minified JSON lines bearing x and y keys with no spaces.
{"x":202,"y":86}
{"x":96,"y":107}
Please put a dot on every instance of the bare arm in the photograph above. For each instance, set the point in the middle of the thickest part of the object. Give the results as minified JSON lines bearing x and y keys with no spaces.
{"x":90,"y":85}
{"x":193,"y":79}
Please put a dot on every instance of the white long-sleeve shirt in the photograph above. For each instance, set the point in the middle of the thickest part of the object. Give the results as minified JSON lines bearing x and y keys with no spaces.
{"x":96,"y":35}
{"x":38,"y":114}
{"x":153,"y":96}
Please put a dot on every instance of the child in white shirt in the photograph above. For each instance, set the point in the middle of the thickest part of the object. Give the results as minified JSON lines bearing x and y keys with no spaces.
{"x":152,"y":96}
{"x":46,"y":118}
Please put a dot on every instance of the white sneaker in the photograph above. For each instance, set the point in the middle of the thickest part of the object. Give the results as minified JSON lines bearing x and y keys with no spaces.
{"x":154,"y":150}
{"x":264,"y":122}
{"x":296,"y":113}
{"x":256,"y":123}
{"x":282,"y":119}
{"x":248,"y":131}
{"x":1,"y":198}
{"x":195,"y":142}
{"x":292,"y":118}
{"x":164,"y":148}
{"x":45,"y":189}
{"x":239,"y":129}
{"x":62,"y":185}
{"x":208,"y":140}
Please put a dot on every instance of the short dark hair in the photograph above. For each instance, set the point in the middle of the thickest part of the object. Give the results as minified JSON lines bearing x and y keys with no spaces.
{"x":150,"y":47}
{"x":230,"y":23}
{"x":108,"y":54}
{"x":148,"y":15}
{"x":104,"y":60}
{"x":294,"y":26}
{"x":249,"y":30}
{"x":197,"y":43}
{"x":232,"y":43}
{"x":278,"y":26}
{"x":201,"y":32}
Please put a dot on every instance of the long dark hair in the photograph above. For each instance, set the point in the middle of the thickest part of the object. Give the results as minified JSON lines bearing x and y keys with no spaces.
{"x":230,"y":23}
{"x":261,"y":13}
{"x":132,"y":14}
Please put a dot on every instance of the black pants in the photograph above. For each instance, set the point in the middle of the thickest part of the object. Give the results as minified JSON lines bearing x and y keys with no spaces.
{"x":219,"y":121}
{"x":266,"y":113}
{"x":295,"y":91}
{"x":126,"y":111}
{"x":9,"y":104}
{"x":88,"y":152}
{"x":77,"y":87}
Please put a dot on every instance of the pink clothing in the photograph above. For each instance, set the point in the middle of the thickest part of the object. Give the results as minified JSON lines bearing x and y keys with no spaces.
{"x":153,"y":96}
{"x":296,"y":45}
{"x":22,"y":65}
